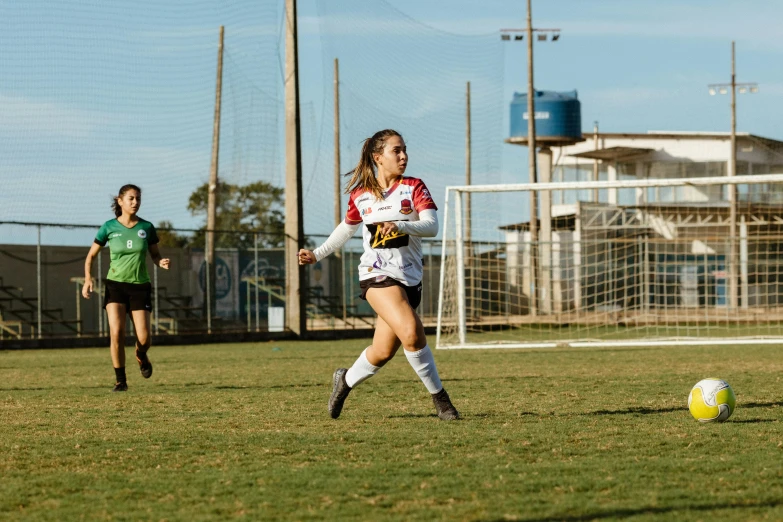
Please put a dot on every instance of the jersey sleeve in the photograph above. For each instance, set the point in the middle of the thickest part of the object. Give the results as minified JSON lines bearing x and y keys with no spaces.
{"x":352,"y":217}
{"x":422,"y":199}
{"x":152,"y":236}
{"x":102,"y":236}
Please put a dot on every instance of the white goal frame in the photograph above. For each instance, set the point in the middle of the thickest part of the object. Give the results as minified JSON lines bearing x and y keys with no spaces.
{"x":459,"y":248}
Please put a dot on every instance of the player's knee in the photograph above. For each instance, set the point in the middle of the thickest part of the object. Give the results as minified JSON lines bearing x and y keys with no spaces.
{"x":411,"y":337}
{"x":144,"y":342}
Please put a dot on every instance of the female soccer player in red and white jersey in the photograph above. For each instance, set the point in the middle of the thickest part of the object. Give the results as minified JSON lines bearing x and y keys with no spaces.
{"x":396,"y":212}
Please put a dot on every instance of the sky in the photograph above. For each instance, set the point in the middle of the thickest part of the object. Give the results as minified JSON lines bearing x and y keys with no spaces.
{"x":98,"y":94}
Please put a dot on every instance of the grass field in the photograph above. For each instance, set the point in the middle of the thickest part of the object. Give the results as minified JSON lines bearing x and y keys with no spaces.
{"x":235,"y":431}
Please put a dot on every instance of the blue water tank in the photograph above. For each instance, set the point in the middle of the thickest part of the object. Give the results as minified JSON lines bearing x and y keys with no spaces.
{"x":558,"y":116}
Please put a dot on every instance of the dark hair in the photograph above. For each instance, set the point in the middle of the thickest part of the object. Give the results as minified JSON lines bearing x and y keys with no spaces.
{"x":363,"y":175}
{"x":115,"y":207}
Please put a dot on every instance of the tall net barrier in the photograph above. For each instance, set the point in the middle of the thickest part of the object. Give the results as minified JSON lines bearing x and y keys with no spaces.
{"x":103,"y":94}
{"x":396,"y":72}
{"x":682,"y":262}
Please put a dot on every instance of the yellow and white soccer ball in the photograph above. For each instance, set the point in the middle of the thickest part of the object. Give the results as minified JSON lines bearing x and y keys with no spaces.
{"x":711,"y":400}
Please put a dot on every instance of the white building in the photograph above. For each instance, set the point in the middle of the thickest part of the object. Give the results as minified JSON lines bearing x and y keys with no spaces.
{"x":669,"y":247}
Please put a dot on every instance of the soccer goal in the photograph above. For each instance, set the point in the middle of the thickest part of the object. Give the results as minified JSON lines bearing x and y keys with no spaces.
{"x":627,"y":262}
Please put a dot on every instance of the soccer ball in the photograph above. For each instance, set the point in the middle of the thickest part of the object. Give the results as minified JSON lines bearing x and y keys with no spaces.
{"x":711,"y":400}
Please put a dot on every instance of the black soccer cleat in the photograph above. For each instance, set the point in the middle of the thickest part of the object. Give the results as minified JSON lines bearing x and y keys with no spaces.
{"x":120,"y":386}
{"x":145,"y":366}
{"x":340,"y":391}
{"x":442,"y":402}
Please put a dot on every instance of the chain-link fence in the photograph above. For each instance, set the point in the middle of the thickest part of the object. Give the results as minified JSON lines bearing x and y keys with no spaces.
{"x":41,"y":284}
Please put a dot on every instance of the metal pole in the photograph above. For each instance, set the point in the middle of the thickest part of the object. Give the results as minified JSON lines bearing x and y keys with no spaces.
{"x":38,"y":274}
{"x":337,"y":186}
{"x":733,"y":290}
{"x":213,"y":171}
{"x":296,"y":311}
{"x":255,"y":254}
{"x":532,"y":176}
{"x":209,"y":297}
{"x":100,"y":295}
{"x":468,"y":216}
{"x":157,"y":308}
{"x":78,"y":313}
{"x":337,"y":192}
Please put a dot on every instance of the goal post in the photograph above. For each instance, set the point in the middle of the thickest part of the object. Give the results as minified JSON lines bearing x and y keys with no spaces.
{"x":649,"y":262}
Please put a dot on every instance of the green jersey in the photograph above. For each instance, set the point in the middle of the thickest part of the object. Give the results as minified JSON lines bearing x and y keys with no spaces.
{"x":128,"y":247}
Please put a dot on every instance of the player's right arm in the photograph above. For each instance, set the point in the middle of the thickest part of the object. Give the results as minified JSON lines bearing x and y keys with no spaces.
{"x":344,"y":231}
{"x":336,"y":240}
{"x":87,"y":288}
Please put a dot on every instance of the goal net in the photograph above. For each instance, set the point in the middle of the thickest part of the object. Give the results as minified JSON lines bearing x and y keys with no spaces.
{"x":635,"y":262}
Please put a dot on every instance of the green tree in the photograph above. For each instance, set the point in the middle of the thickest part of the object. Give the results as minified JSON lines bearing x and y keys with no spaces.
{"x":169,"y":237}
{"x":242,"y":210}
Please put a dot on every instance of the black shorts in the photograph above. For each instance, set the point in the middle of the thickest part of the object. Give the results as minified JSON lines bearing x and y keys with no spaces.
{"x":134,"y":296}
{"x":413,"y":292}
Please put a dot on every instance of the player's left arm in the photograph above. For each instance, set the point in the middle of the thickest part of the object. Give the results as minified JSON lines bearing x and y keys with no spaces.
{"x":426,"y":225}
{"x":162,"y":262}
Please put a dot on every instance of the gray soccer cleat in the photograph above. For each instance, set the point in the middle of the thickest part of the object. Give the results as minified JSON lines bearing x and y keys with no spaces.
{"x":145,"y":366}
{"x":442,"y":402}
{"x":340,"y":391}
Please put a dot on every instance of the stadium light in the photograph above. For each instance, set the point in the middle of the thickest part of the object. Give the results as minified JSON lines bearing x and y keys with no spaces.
{"x":724,"y":88}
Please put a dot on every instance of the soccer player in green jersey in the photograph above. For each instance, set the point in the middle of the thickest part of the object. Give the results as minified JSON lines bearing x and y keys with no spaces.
{"x":128,"y":289}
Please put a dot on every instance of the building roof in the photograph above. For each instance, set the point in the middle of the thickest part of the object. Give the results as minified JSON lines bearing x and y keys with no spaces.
{"x":613,"y":153}
{"x":685,"y":135}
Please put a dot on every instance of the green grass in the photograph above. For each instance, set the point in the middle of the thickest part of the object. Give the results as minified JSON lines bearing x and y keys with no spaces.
{"x":241,"y":432}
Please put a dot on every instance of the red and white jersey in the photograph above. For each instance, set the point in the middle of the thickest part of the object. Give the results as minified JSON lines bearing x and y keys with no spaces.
{"x":396,"y":255}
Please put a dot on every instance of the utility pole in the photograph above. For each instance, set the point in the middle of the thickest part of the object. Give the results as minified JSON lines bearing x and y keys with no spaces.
{"x":338,"y":215}
{"x":723,"y":88}
{"x":210,"y":301}
{"x":531,"y":149}
{"x":519,"y":35}
{"x":468,"y":216}
{"x":296,"y":317}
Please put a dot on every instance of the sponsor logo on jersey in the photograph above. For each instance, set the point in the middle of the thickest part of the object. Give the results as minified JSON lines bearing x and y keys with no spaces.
{"x":426,"y":193}
{"x":142,"y":234}
{"x":366,"y":211}
{"x":406,"y":206}
{"x":380,"y":278}
{"x":379,"y":240}
{"x":378,"y":262}
{"x":112,"y":236}
{"x":385,"y":208}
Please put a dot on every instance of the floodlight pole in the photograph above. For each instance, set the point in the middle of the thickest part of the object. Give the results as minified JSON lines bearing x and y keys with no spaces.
{"x":295,"y":301}
{"x":209,"y":251}
{"x":531,"y":149}
{"x":733,"y":254}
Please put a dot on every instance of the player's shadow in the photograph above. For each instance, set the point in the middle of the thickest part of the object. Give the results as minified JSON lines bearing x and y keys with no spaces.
{"x":631,"y":512}
{"x":636,"y":410}
{"x":759,"y":404}
{"x":24,"y":389}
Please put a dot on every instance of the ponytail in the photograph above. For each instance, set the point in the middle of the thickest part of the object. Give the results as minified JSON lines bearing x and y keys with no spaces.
{"x":363,"y":175}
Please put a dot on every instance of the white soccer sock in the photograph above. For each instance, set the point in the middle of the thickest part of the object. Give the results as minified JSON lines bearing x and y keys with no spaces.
{"x":423,"y":363}
{"x":360,"y":371}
